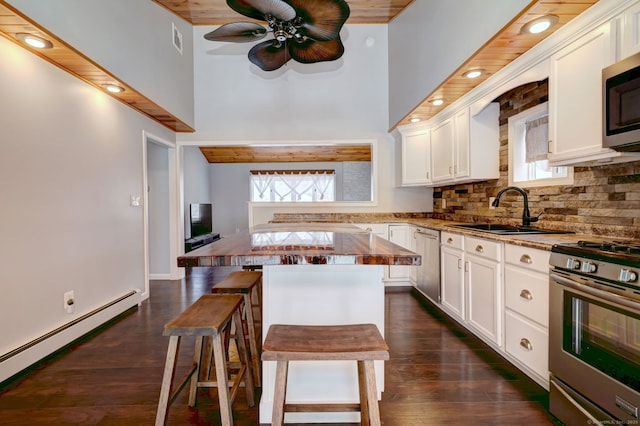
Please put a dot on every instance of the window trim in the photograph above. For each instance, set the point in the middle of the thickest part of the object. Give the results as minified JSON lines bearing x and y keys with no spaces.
{"x":516,"y":124}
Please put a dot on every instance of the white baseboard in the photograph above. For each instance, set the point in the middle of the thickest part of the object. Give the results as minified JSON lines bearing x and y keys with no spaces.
{"x":22,"y":359}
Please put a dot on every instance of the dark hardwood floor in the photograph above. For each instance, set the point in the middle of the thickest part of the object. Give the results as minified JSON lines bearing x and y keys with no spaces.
{"x":438,"y":373}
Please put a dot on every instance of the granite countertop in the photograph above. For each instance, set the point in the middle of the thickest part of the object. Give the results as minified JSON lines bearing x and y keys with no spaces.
{"x":539,"y":241}
{"x":300,"y":244}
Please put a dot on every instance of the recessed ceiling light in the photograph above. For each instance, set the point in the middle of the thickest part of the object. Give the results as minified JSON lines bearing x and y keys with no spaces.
{"x":539,"y":25}
{"x":414,"y":120}
{"x":473,"y":73}
{"x":437,"y":102}
{"x":113,"y":88}
{"x":34,"y":41}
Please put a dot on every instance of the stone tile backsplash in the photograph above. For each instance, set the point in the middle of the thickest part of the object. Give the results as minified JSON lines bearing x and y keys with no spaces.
{"x":604,"y":200}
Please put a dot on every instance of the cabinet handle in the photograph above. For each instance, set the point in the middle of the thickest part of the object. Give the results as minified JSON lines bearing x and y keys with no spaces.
{"x":459,"y":263}
{"x":466,"y":266}
{"x":549,"y":143}
{"x":427,"y":175}
{"x":526,"y":294}
{"x":449,"y":240}
{"x":369,"y":230}
{"x":525,"y":343}
{"x":450,"y":172}
{"x":479,"y":249}
{"x":525,"y":258}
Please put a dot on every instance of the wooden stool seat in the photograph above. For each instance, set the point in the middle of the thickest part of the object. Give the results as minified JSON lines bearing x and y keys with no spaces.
{"x":247,"y":283}
{"x":357,"y":342}
{"x":210,"y":315}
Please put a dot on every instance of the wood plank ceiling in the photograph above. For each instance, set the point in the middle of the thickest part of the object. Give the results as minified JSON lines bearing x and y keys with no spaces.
{"x":286,"y":153}
{"x":503,"y":48}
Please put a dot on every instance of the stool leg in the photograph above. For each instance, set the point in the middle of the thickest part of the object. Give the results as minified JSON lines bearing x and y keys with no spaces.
{"x":197,"y":359}
{"x":244,"y":358}
{"x":167,"y":380}
{"x":280,"y":393}
{"x":255,"y":356}
{"x":222,"y":378}
{"x":372,"y":393}
{"x":362,"y":389}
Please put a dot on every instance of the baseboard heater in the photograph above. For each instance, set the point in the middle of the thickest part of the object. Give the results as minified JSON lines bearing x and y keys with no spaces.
{"x":64,"y":327}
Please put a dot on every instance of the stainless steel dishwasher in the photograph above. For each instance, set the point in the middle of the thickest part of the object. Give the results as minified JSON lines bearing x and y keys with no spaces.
{"x":428,"y":274}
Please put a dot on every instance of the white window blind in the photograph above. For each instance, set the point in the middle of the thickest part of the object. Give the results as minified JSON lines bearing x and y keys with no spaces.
{"x":292,"y":185}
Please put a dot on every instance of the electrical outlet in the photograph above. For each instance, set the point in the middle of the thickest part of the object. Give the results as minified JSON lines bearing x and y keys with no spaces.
{"x":69,"y":302}
{"x":134,"y":201}
{"x":444,"y":203}
{"x":491,"y":200}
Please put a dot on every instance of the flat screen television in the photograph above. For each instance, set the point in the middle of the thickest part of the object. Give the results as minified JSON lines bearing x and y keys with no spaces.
{"x":201,"y":219}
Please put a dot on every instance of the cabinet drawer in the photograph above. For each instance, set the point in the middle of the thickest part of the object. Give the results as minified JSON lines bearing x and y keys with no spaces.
{"x":528,"y":343}
{"x":452,"y":240}
{"x":525,"y":257}
{"x":527,"y":292}
{"x":483,"y":248}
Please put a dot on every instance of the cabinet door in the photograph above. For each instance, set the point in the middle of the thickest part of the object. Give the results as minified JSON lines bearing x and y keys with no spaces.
{"x":442,"y":151}
{"x":484,"y":305}
{"x":452,"y":281}
{"x":416,"y":157}
{"x":630,"y":32}
{"x":401,"y":235}
{"x":461,"y":164}
{"x":575,"y":98}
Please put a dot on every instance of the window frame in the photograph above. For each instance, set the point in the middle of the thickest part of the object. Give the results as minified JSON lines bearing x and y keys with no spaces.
{"x":516,"y":128}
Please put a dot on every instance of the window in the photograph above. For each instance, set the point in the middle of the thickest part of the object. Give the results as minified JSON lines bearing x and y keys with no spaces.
{"x":292,"y":185}
{"x":528,"y":147}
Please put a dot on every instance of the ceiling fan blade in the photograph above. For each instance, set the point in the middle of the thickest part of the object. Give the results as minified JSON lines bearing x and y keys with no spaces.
{"x":323,"y":19}
{"x":238,"y":32}
{"x":259,"y":9}
{"x":269,"y":56}
{"x":310,"y":51}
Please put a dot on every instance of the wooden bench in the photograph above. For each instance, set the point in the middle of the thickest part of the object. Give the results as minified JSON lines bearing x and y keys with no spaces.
{"x":249,"y":285}
{"x":210,"y":315}
{"x":358,"y":342}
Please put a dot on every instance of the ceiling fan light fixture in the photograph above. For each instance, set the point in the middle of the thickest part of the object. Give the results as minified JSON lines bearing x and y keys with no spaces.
{"x":437,"y":102}
{"x":34,"y":41}
{"x":475,"y":73}
{"x":113,"y":88}
{"x":539,"y":25}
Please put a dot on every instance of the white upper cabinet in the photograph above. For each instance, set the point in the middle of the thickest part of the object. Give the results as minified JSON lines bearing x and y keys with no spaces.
{"x":416,"y":157}
{"x":442,"y":142}
{"x":630,"y":32}
{"x":465,"y":147}
{"x":575,"y":100}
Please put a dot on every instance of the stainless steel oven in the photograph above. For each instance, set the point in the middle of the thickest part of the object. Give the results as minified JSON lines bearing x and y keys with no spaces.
{"x":594,"y":333}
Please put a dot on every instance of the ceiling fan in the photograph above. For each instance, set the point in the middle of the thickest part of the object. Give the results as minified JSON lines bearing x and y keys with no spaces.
{"x":306,"y":31}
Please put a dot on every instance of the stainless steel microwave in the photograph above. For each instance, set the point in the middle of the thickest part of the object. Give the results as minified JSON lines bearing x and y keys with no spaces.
{"x":621,"y":97}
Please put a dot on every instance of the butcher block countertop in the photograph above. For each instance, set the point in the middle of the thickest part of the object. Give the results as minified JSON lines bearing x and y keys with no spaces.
{"x":299,"y":244}
{"x":539,"y":241}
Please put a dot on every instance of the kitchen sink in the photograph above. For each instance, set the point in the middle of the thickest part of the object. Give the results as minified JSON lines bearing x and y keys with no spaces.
{"x":508,"y":229}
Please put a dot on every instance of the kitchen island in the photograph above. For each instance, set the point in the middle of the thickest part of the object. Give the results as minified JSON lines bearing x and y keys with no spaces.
{"x":313,"y":274}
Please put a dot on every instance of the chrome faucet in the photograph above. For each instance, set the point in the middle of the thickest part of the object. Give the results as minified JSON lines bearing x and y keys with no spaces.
{"x":526,"y":215}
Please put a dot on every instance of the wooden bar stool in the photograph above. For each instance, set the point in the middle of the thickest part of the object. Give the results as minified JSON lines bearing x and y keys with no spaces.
{"x":210,"y":315}
{"x":249,"y":285}
{"x":358,"y":342}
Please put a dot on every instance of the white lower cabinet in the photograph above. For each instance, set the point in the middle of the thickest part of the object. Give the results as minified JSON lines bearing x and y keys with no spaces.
{"x":471,"y":284}
{"x":483,"y":279}
{"x":401,"y":235}
{"x":452,"y":274}
{"x":526,"y":285}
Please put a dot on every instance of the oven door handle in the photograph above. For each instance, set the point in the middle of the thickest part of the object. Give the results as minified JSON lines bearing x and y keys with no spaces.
{"x":605,"y":295}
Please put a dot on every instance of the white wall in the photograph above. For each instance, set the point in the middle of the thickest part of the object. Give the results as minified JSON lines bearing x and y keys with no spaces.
{"x":340,"y":100}
{"x":131,"y":39}
{"x":158,"y":207}
{"x":70,"y":160}
{"x":196,"y":185}
{"x":430,"y":39}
